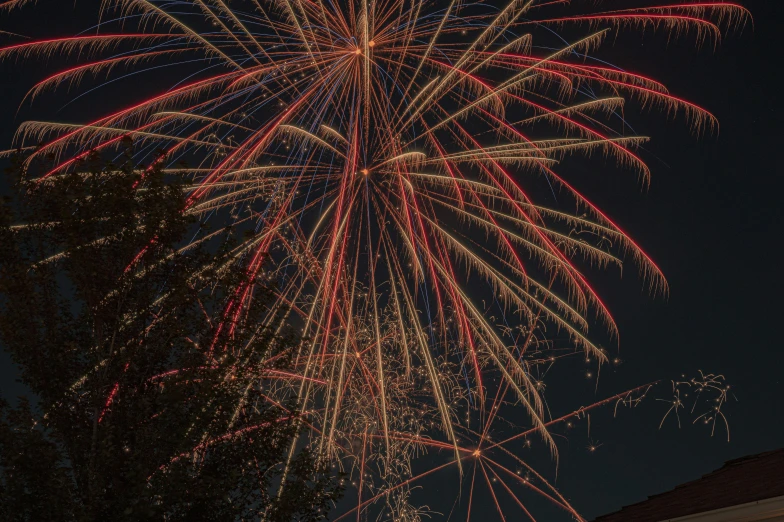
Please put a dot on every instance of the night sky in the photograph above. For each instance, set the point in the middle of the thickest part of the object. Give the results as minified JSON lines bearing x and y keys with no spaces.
{"x":711,"y":219}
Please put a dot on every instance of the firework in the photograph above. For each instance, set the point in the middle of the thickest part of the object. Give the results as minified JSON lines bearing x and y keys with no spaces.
{"x":393,"y":161}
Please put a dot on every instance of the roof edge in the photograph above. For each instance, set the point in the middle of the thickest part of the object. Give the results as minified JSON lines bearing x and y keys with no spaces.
{"x":751,"y":511}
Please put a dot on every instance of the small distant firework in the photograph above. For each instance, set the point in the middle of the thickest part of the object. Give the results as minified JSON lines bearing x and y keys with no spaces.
{"x":391,"y":166}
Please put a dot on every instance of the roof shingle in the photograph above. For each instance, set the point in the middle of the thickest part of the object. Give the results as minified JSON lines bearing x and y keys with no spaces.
{"x":739,"y":481}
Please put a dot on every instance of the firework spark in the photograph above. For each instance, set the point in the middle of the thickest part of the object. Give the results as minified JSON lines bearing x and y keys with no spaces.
{"x":391,"y":160}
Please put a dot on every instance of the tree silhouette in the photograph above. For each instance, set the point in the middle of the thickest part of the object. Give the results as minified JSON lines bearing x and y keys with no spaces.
{"x":146,"y":405}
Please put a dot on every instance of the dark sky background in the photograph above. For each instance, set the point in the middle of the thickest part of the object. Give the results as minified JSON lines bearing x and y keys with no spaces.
{"x":712,"y":220}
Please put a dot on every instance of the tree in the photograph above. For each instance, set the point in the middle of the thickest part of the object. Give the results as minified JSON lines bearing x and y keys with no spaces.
{"x":149,"y":401}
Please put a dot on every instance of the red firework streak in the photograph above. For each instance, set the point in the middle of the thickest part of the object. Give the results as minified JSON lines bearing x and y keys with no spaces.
{"x":393,"y":159}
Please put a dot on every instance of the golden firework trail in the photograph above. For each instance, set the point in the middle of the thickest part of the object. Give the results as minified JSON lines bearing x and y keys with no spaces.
{"x":396,"y":161}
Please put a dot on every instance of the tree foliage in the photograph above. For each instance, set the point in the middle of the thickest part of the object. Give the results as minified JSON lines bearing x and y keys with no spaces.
{"x":149,"y":404}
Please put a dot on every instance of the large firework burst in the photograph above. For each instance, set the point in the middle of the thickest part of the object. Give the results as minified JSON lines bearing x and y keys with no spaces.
{"x":391,"y":158}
